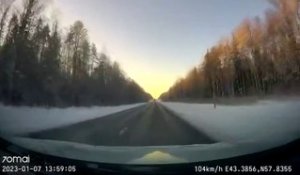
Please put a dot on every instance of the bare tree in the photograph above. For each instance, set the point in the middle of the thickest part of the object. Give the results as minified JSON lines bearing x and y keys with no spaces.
{"x":5,"y":6}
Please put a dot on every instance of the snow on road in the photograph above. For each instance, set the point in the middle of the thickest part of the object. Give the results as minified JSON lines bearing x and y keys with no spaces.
{"x":20,"y":120}
{"x":268,"y":121}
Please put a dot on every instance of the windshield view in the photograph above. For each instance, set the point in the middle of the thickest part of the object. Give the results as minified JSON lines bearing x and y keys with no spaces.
{"x":149,"y":87}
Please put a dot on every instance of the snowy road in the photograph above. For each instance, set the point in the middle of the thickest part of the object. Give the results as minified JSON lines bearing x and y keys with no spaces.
{"x":146,"y":125}
{"x":86,"y":133}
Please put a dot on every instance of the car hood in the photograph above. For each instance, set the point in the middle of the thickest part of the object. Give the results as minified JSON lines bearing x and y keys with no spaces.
{"x":145,"y":154}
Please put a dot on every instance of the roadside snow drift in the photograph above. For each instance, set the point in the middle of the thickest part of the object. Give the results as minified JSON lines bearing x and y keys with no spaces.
{"x":267,"y":121}
{"x":238,"y":130}
{"x":21,"y":120}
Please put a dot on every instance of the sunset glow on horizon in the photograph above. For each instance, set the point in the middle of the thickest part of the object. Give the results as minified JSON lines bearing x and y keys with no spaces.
{"x":156,"y":42}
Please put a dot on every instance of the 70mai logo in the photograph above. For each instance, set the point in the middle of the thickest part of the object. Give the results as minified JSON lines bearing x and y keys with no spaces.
{"x":15,"y":159}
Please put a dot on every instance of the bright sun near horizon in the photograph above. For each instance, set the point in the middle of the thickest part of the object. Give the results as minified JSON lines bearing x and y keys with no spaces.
{"x":153,"y":84}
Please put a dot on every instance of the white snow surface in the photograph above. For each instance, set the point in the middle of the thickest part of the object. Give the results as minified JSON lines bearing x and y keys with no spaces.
{"x":268,"y":121}
{"x":238,"y":130}
{"x":22,"y":120}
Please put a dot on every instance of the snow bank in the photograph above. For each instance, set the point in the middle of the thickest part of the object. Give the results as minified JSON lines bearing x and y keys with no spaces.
{"x":239,"y":130}
{"x":275,"y":122}
{"x":20,"y":120}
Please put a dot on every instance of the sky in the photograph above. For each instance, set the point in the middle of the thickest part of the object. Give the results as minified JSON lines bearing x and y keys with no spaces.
{"x":157,"y":41}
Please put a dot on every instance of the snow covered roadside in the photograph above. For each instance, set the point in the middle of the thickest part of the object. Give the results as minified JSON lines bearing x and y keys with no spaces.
{"x":271,"y":122}
{"x":239,"y":130}
{"x":20,"y":120}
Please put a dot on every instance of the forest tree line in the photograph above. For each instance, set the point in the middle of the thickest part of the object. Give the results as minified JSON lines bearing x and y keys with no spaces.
{"x":40,"y":65}
{"x":261,"y":57}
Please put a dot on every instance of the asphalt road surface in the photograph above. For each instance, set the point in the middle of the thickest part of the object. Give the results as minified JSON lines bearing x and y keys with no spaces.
{"x":147,"y":125}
